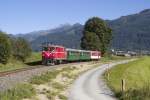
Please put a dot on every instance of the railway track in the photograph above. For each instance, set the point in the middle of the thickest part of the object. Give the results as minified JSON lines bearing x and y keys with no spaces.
{"x":19,"y":70}
{"x":5,"y":73}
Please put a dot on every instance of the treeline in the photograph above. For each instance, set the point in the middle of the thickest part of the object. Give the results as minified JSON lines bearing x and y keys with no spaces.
{"x":15,"y":48}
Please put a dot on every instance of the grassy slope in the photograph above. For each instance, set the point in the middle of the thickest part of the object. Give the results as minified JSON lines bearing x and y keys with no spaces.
{"x":137,"y":77}
{"x":15,"y":64}
{"x":36,"y":56}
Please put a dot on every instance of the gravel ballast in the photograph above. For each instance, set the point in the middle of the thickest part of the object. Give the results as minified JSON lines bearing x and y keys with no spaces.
{"x":9,"y":81}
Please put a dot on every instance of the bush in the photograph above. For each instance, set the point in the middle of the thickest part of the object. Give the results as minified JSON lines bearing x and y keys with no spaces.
{"x":62,"y":97}
{"x":21,"y":49}
{"x":5,"y":48}
{"x":58,"y":86}
{"x":51,"y":95}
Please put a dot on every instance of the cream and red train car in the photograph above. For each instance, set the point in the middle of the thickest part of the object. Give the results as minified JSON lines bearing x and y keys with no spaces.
{"x":95,"y":55}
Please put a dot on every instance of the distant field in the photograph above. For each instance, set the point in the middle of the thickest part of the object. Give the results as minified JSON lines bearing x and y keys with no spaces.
{"x":15,"y":64}
{"x":113,"y":58}
{"x":137,"y":78}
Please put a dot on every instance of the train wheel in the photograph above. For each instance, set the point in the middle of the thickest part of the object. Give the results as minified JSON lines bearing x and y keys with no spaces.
{"x":44,"y":62}
{"x":57,"y":62}
{"x":47,"y":63}
{"x":53,"y":62}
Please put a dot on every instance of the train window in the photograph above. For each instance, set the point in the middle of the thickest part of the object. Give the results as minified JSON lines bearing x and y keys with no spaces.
{"x":94,"y":54}
{"x":82,"y":53}
{"x":70,"y":53}
{"x":60,"y":49}
{"x":76,"y":53}
{"x":51,"y":49}
{"x":99,"y":54}
{"x":45,"y":48}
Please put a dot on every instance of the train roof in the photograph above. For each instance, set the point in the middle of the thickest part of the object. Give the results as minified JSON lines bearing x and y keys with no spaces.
{"x":68,"y":49}
{"x":50,"y":45}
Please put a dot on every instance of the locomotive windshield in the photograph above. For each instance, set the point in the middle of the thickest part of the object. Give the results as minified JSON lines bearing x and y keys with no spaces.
{"x":49,"y":49}
{"x":45,"y":49}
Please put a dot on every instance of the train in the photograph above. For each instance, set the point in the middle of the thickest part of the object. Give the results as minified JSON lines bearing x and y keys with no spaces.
{"x":57,"y":54}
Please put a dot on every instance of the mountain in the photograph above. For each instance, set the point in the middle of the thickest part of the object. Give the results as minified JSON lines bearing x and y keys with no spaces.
{"x":130,"y":32}
{"x":33,"y":35}
{"x":68,"y":36}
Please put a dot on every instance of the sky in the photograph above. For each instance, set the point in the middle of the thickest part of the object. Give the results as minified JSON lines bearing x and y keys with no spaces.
{"x":23,"y":16}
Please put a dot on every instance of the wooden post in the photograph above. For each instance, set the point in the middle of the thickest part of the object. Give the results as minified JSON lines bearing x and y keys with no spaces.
{"x":108,"y":76}
{"x":108,"y":72}
{"x":123,"y":85}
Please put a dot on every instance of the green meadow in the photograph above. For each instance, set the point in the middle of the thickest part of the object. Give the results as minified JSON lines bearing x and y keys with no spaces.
{"x":137,"y":79}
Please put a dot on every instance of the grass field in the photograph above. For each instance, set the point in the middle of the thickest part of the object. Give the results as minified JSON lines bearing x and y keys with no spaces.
{"x":113,"y":58}
{"x":18,"y":93}
{"x":137,"y":77}
{"x":13,"y":64}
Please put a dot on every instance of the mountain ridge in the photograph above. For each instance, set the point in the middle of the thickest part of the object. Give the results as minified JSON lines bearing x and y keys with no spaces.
{"x":130,"y":32}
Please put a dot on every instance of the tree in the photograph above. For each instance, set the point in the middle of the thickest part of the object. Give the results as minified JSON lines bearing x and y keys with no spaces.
{"x":21,"y":49}
{"x":5,"y":48}
{"x":96,"y":35}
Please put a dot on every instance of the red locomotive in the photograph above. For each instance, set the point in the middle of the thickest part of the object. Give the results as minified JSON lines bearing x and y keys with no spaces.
{"x":53,"y":54}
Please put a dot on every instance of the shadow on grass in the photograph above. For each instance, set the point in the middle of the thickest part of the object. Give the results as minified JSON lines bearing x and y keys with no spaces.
{"x":35,"y":63}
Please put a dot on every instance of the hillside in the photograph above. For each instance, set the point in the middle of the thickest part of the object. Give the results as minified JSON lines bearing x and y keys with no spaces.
{"x":68,"y":36}
{"x":129,"y":33}
{"x":132,"y":32}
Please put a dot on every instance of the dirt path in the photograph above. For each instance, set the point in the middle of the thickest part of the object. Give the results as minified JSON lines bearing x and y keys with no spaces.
{"x":91,"y":85}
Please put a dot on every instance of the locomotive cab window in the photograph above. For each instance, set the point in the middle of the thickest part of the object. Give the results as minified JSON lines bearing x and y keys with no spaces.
{"x":51,"y":49}
{"x":45,"y":48}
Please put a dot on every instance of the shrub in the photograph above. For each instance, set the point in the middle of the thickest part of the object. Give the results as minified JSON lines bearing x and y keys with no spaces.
{"x":51,"y":95}
{"x":5,"y":48}
{"x":62,"y":97}
{"x":58,"y":86}
{"x":21,"y":49}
